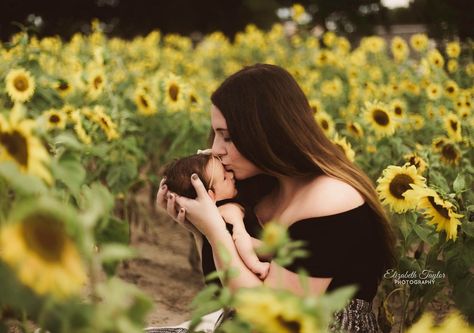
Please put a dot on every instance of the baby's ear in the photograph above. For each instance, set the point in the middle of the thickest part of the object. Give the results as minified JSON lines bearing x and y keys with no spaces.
{"x":212,"y":194}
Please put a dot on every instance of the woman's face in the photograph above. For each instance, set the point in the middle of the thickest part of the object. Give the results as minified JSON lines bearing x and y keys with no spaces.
{"x":226,"y":150}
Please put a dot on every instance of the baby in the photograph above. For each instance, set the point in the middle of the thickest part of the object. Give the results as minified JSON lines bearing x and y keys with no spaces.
{"x":220,"y":185}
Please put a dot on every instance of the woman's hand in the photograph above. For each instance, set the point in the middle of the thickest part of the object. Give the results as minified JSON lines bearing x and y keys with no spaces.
{"x":166,"y":202}
{"x":231,"y":212}
{"x":202,"y":211}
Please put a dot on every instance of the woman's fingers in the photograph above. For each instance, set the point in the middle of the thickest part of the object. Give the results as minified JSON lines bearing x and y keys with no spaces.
{"x":181,"y":216}
{"x":198,"y":186}
{"x":170,"y":207}
{"x":161,"y":196}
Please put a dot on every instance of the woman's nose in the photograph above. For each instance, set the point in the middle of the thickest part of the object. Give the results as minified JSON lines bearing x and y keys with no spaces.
{"x":217,"y":149}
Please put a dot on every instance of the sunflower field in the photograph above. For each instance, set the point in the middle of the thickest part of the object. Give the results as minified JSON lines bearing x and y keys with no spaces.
{"x":86,"y":123}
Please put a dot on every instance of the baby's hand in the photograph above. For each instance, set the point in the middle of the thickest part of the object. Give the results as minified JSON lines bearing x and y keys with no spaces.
{"x":232,"y":212}
{"x":261,"y":269}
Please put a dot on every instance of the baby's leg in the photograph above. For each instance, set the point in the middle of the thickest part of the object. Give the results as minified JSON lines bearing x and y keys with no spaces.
{"x":244,"y":246}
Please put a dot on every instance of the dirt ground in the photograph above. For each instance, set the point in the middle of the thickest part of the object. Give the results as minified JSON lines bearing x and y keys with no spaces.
{"x":164,"y":270}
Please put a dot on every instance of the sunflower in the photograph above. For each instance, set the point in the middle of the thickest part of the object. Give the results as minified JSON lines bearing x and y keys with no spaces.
{"x":270,"y":311}
{"x":345,"y":146}
{"x":105,"y":122}
{"x":79,"y":129}
{"x":419,"y":42}
{"x":96,"y":84}
{"x":416,"y":160}
{"x":355,"y":129}
{"x":453,"y":49}
{"x":451,"y":89}
{"x":453,"y":127}
{"x":395,"y":183}
{"x":439,"y":212}
{"x":381,"y":119}
{"x":453,"y":65}
{"x":37,"y":247}
{"x":18,"y":144}
{"x":470,"y":69}
{"x":436,"y":59}
{"x":316,"y":106}
{"x":55,"y":119}
{"x":438,"y":143}
{"x":174,"y":93}
{"x":434,"y":91}
{"x":417,"y":121}
{"x":450,"y":154}
{"x":398,"y":107}
{"x":399,"y":49}
{"x":325,"y":121}
{"x":145,"y":103}
{"x":20,"y":85}
{"x":63,"y":87}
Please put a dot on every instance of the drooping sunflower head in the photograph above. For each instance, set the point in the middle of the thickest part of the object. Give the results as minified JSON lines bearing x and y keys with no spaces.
{"x":453,"y":127}
{"x":381,"y":119}
{"x":37,"y":247}
{"x":355,"y":129}
{"x":20,"y":85}
{"x":417,"y":161}
{"x":345,"y":147}
{"x":395,"y":183}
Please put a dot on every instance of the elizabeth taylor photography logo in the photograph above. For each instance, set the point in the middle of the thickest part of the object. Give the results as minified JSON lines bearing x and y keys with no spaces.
{"x":426,"y":276}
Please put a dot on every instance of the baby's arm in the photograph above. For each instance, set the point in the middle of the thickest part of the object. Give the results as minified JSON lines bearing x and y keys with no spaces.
{"x":244,"y":243}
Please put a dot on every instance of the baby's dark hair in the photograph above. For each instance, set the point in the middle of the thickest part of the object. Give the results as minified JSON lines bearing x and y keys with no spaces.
{"x":178,"y":174}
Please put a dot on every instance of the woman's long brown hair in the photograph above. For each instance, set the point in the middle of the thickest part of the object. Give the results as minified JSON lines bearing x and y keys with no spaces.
{"x":271,"y":124}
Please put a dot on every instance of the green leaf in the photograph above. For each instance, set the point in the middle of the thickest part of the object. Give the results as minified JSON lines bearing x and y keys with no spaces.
{"x":426,"y":234}
{"x":459,"y":183}
{"x":115,"y":252}
{"x":70,"y":172}
{"x":22,"y":183}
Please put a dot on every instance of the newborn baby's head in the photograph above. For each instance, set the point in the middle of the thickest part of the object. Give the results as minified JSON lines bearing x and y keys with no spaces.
{"x":218,"y":182}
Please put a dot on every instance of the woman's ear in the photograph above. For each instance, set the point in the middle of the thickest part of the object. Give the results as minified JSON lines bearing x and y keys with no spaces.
{"x":212,"y":194}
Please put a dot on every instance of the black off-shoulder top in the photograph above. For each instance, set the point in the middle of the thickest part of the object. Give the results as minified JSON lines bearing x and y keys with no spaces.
{"x":343,"y":246}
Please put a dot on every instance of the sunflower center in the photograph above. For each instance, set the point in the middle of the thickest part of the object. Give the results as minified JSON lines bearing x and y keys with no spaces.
{"x":450,"y":89}
{"x":400,"y":184}
{"x":16,"y":146}
{"x":449,"y":152}
{"x":414,"y":161}
{"x":398,"y":110}
{"x":454,"y":125}
{"x":143,"y":101}
{"x":63,"y":86}
{"x":54,"y":119}
{"x":291,"y":325}
{"x":45,"y":236}
{"x":440,"y":209}
{"x":97,"y":82}
{"x":104,"y":122}
{"x":173,"y":92}
{"x":354,"y":129}
{"x":21,"y":83}
{"x":381,"y":117}
{"x":324,"y":124}
{"x":193,"y":99}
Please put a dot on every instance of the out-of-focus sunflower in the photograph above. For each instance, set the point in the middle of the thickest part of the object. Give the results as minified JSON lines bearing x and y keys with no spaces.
{"x":345,"y":146}
{"x":452,"y":65}
{"x":105,"y":122}
{"x":63,"y":87}
{"x":36,"y":246}
{"x":96,"y":84}
{"x":453,"y":127}
{"x":325,"y":121}
{"x":450,"y":153}
{"x":398,"y":107}
{"x":174,"y":95}
{"x":439,"y":142}
{"x":20,"y":85}
{"x":434,"y":91}
{"x":79,"y":129}
{"x":378,"y":115}
{"x":417,"y":161}
{"x":417,"y":121}
{"x":453,"y":49}
{"x":355,"y":129}
{"x":399,"y":48}
{"x":55,"y":119}
{"x":451,"y":89}
{"x":20,"y":145}
{"x":470,"y":69}
{"x":145,"y":103}
{"x":269,"y":312}
{"x":395,"y":183}
{"x":419,"y":42}
{"x":439,"y":212}
{"x":316,"y":106}
{"x":435,"y":58}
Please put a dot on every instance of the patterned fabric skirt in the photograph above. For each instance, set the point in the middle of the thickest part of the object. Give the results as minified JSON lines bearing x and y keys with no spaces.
{"x":356,"y":317}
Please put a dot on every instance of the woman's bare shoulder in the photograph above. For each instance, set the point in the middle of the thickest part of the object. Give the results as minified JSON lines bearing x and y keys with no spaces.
{"x":327,"y":196}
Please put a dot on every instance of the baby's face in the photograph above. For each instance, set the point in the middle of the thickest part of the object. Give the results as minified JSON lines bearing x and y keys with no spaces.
{"x":223,"y":181}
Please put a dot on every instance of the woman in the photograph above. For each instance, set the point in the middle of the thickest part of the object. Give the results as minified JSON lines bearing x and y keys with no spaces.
{"x":263,"y":127}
